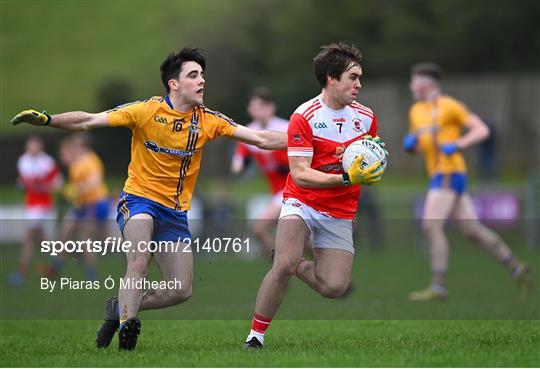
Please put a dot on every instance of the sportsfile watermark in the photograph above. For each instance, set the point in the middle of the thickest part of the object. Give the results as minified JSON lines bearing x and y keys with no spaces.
{"x":119,"y":245}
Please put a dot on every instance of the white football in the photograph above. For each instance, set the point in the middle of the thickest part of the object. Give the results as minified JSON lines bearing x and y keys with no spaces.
{"x":372,"y":152}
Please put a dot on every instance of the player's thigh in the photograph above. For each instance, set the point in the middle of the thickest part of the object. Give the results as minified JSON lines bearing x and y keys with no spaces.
{"x":438,"y":206}
{"x":138,"y":231}
{"x":334,"y":266}
{"x":465,"y":215}
{"x":291,"y":236}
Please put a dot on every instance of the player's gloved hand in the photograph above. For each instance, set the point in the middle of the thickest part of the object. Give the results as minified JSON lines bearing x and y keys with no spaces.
{"x":409,"y":142}
{"x":32,"y":117}
{"x":449,"y":148}
{"x":356,"y":175}
{"x":378,"y":141}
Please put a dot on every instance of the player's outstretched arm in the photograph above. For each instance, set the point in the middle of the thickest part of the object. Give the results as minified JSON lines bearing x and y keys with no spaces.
{"x":71,"y":121}
{"x":265,"y":139}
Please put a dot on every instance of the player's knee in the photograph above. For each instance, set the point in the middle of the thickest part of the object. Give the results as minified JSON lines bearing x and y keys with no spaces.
{"x":430,"y":226}
{"x":284,"y":269}
{"x":334,"y":289}
{"x":181,"y":295}
{"x":138,"y":267}
{"x":468,"y":230}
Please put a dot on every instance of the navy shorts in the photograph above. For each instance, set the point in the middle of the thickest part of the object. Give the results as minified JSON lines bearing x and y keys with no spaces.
{"x":453,"y":181}
{"x":169,"y":224}
{"x":98,"y":210}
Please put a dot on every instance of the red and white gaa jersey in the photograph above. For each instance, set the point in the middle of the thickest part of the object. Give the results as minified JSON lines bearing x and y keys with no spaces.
{"x":273,"y":163}
{"x":36,"y":174}
{"x":322,"y":133}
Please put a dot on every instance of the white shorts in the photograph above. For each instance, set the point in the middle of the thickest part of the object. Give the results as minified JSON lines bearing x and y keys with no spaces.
{"x":325,"y":231}
{"x":37,"y":215}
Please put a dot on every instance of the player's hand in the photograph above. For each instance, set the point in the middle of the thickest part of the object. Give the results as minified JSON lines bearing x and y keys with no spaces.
{"x":378,"y":141}
{"x":32,"y":117}
{"x":409,"y":142}
{"x":449,"y":148}
{"x":356,"y":175}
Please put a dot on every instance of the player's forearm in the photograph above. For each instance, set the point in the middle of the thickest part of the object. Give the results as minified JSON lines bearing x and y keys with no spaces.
{"x":312,"y":178}
{"x":272,"y":140}
{"x":477,"y":133}
{"x":72,"y":121}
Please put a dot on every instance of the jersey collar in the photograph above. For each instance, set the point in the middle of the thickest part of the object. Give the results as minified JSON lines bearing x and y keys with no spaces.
{"x":168,"y":101}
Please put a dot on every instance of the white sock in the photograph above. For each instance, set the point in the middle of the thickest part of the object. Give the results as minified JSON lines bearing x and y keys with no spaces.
{"x":257,"y":335}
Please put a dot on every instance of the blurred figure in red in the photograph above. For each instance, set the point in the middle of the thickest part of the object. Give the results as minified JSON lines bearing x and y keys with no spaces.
{"x":274,"y":164}
{"x":39,"y":177}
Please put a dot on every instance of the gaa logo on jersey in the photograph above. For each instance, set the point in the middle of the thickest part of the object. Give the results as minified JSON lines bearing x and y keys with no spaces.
{"x":319,"y":125}
{"x":159,"y":119}
{"x":357,"y":124}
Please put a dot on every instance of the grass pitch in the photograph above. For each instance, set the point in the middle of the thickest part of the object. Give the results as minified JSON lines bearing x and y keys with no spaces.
{"x":289,"y":343}
{"x":484,"y":322}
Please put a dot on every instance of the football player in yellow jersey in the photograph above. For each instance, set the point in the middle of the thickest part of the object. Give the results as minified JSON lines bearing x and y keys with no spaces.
{"x":89,"y":195}
{"x":436,"y":124}
{"x":169,"y":133}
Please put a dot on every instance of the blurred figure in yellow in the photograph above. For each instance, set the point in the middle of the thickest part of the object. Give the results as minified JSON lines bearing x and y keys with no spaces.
{"x":39,"y":177}
{"x":88,"y":193}
{"x":437,"y":122}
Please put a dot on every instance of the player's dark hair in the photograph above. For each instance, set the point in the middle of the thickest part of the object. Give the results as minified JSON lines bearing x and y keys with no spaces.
{"x":264,"y":94}
{"x":429,"y":69}
{"x":171,"y":67}
{"x":333,"y":60}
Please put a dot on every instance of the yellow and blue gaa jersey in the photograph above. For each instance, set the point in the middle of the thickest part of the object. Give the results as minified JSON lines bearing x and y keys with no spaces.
{"x":436,"y":123}
{"x":166,"y":147}
{"x":80,"y":171}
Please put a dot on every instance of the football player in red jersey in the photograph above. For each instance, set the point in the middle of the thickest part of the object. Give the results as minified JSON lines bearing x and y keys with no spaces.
{"x":320,"y":199}
{"x":273,"y":164}
{"x":39,"y":177}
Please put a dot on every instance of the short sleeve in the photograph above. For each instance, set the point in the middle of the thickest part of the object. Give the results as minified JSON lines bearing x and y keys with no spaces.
{"x":300,"y":137}
{"x":218,"y":124}
{"x":460,"y":112}
{"x":373,"y":128}
{"x":126,"y":115}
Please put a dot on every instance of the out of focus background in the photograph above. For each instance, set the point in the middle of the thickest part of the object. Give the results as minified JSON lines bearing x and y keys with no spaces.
{"x":91,"y":56}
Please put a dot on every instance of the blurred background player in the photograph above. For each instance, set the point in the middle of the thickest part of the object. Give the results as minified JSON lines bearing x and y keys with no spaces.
{"x":436,"y":124}
{"x":39,"y":177}
{"x":274,"y":164}
{"x":89,"y":195}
